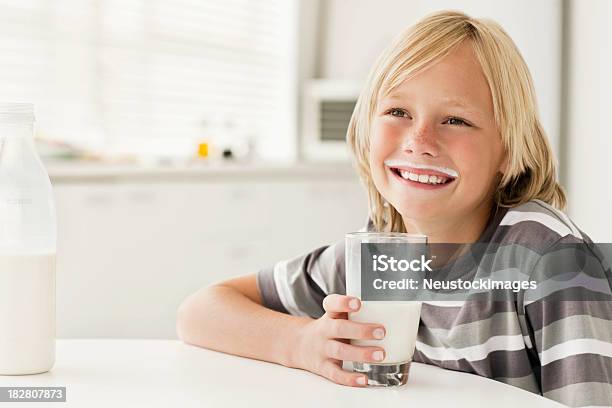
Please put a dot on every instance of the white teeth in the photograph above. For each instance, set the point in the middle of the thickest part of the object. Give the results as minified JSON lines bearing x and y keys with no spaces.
{"x":422,"y":178}
{"x":398,"y":164}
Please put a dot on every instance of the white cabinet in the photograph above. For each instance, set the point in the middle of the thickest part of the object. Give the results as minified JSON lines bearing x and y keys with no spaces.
{"x":131,"y":249}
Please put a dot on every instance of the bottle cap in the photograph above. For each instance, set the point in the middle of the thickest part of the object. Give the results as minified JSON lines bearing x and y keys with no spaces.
{"x":16,"y":113}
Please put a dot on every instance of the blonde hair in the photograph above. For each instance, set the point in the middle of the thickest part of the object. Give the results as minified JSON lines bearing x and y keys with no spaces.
{"x":531,"y":172}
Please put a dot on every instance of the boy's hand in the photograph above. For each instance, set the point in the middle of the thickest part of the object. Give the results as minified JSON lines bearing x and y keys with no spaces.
{"x":324,"y":343}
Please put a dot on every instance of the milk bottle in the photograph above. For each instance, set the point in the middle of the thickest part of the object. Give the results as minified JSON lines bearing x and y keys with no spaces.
{"x":27,"y":249}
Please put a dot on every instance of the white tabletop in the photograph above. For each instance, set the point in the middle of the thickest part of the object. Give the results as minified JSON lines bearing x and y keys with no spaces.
{"x":165,"y":373}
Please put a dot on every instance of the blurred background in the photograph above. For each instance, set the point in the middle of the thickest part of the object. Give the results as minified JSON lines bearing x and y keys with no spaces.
{"x":189,"y":141}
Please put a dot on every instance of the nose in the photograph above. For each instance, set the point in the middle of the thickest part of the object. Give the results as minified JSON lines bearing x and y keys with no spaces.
{"x":420,"y":140}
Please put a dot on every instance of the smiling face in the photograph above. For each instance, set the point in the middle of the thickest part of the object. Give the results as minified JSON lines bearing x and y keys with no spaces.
{"x":435,"y":151}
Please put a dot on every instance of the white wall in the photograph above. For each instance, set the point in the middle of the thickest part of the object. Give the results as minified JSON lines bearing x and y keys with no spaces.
{"x":356,"y":31}
{"x":589,"y":143}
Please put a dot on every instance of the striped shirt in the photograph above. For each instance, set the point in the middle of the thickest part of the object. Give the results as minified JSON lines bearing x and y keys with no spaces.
{"x":559,"y":349}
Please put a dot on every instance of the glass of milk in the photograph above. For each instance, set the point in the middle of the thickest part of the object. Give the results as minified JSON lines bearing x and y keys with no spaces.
{"x":399,"y":317}
{"x":27,"y":249}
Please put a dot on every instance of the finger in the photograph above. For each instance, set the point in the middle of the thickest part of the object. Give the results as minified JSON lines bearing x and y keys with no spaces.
{"x":333,"y":371}
{"x":339,"y":304}
{"x":347,"y":352}
{"x":347,"y":329}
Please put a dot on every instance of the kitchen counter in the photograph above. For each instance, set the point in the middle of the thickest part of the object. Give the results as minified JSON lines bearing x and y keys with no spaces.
{"x":92,"y":171}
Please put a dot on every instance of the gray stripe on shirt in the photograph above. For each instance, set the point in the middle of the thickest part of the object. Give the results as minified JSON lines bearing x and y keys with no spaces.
{"x":582,"y":394}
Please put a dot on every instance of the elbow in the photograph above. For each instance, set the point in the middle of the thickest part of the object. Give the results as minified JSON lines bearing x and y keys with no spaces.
{"x":191,"y":317}
{"x":182,"y":319}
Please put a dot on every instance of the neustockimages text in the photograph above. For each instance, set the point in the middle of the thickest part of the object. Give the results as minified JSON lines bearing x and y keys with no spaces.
{"x":384,"y":263}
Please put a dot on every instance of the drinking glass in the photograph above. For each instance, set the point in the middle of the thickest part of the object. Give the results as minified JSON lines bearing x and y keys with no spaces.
{"x":399,"y":317}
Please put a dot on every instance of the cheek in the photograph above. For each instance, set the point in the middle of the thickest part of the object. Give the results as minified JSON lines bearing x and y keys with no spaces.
{"x":478,"y":163}
{"x":385,"y":138}
{"x":382,"y":145}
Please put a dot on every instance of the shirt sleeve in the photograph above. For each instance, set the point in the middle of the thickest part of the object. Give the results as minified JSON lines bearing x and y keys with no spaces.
{"x":298,"y":286}
{"x":570,"y":320}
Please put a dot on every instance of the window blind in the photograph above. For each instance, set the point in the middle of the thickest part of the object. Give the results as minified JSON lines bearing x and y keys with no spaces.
{"x":153,"y":76}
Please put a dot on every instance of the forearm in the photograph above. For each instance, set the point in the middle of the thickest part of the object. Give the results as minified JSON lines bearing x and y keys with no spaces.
{"x":223,"y":319}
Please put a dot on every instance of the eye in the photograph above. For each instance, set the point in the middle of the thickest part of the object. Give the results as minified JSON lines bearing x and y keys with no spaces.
{"x":398,"y":113}
{"x":457,"y":122}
